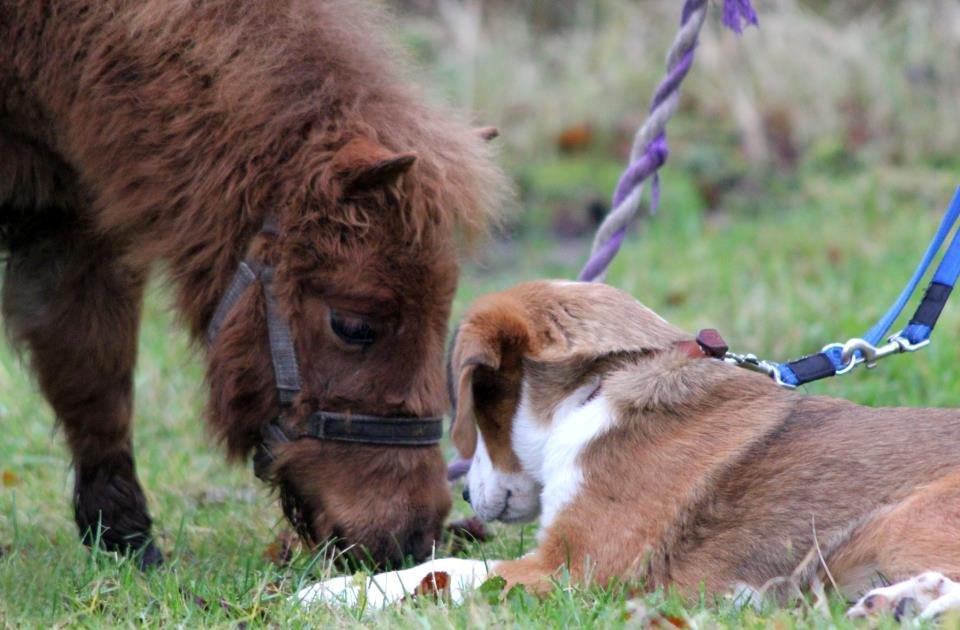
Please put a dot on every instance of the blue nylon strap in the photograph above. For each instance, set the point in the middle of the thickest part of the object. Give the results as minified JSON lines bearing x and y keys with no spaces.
{"x":949,"y":265}
{"x":915,"y":333}
{"x":817,"y":366}
{"x":944,"y":279}
{"x":928,"y":312}
{"x":814,"y":367}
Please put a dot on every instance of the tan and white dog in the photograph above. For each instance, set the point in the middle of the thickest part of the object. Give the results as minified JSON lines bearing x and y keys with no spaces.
{"x":643,"y":457}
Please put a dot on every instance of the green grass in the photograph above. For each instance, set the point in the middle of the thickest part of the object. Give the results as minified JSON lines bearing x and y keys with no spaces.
{"x":814,"y":260}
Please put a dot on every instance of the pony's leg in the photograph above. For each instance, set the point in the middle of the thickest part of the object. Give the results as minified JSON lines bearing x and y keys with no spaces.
{"x":76,"y":306}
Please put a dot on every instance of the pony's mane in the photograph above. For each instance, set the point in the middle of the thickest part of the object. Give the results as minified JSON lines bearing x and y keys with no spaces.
{"x":325,"y":71}
{"x":194,"y":120}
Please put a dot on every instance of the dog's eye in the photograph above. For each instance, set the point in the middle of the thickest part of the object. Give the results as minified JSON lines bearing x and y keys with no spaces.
{"x":352,"y":329}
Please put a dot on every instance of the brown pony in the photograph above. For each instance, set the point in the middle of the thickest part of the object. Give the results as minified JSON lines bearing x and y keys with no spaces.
{"x":144,"y":133}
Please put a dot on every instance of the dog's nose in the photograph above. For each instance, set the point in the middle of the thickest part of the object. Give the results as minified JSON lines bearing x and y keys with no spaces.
{"x":466,"y":495}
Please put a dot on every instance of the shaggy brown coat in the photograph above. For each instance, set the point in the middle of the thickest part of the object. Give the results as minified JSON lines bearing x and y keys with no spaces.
{"x":139,"y":132}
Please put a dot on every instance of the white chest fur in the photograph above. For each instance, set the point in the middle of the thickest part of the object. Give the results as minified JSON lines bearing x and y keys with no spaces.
{"x":549,"y":449}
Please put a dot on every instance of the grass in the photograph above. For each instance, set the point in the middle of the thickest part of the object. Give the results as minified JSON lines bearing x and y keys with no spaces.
{"x":814,"y":262}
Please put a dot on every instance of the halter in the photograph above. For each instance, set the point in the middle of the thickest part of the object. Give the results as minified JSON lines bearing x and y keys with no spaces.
{"x":320,"y":425}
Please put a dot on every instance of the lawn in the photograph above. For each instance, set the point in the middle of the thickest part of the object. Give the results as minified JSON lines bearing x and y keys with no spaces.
{"x":815,"y":260}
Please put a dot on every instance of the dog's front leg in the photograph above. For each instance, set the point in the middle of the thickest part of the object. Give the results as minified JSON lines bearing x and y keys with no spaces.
{"x":387,"y":588}
{"x":533,"y":572}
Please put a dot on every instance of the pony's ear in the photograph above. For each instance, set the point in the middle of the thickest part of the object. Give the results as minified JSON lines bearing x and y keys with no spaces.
{"x":487,"y":368}
{"x":363,"y":164}
{"x":487,"y":133}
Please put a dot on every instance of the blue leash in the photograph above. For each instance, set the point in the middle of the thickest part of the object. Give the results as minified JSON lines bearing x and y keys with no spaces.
{"x":836,"y":358}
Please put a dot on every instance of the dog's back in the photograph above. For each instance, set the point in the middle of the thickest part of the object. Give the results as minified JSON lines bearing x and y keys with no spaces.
{"x":826,"y":471}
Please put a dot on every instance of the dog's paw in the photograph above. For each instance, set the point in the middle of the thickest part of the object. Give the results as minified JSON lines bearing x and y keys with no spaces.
{"x":383,"y":589}
{"x":928,"y":595}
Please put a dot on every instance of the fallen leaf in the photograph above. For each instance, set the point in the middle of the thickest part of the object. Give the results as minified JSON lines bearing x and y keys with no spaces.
{"x":676,"y":298}
{"x":435,"y":585}
{"x":675,"y":621}
{"x":10,"y":479}
{"x":575,"y":138}
{"x":835,"y":254}
{"x":282,"y":550}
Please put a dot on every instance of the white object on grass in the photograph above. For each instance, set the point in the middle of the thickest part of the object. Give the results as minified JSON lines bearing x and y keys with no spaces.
{"x":387,"y":588}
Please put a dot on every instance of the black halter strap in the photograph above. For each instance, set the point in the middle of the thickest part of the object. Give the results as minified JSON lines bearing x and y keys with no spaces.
{"x":320,"y":425}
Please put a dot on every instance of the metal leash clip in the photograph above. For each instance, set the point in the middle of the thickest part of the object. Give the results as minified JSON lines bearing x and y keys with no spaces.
{"x":753,"y":363}
{"x":857,"y":351}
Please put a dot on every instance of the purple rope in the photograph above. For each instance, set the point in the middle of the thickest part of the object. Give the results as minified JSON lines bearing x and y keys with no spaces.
{"x":736,"y":15}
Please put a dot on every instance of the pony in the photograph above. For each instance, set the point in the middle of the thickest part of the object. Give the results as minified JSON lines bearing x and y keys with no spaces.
{"x":280,"y":137}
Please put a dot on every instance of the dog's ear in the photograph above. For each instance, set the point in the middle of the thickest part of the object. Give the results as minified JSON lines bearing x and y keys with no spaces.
{"x":486,"y":374}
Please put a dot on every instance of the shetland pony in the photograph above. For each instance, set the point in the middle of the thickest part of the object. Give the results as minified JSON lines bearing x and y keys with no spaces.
{"x":194,"y":136}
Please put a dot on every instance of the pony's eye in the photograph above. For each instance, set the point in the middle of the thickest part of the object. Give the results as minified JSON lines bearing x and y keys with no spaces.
{"x":352,"y":329}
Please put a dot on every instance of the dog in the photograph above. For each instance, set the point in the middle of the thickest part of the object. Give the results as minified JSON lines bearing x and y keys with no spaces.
{"x":644,"y":457}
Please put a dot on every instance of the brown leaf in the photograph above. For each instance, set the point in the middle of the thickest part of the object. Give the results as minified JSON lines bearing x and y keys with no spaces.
{"x":10,"y":479}
{"x":676,"y":298}
{"x":575,"y":138}
{"x":435,"y":585}
{"x":282,"y":550}
{"x":835,"y":254}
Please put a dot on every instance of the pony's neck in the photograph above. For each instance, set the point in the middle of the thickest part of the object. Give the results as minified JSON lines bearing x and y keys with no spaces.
{"x":202,"y":265}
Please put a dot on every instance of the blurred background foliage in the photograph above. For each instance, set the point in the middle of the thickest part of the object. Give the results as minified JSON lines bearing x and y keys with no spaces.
{"x":820,"y":86}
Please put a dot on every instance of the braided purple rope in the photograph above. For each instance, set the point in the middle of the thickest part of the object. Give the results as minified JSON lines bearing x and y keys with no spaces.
{"x":650,"y":150}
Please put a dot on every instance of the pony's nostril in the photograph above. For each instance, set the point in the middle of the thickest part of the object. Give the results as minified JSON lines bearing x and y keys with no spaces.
{"x":509,"y":494}
{"x":466,"y":495}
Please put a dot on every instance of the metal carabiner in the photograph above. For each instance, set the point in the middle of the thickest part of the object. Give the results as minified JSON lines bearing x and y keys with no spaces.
{"x":754,"y":364}
{"x":870,"y":354}
{"x":859,"y":350}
